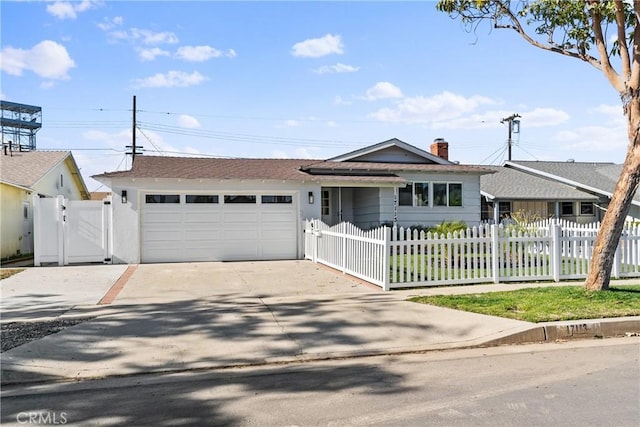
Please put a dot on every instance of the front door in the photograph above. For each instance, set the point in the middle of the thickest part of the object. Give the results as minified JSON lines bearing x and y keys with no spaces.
{"x":26,"y":245}
{"x":326,"y":207}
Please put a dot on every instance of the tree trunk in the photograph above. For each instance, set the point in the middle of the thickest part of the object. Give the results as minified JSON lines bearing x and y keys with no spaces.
{"x":616,"y":215}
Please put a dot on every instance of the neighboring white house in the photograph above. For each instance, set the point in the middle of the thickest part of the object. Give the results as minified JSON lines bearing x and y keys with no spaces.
{"x":168,"y":209}
{"x":24,"y":174}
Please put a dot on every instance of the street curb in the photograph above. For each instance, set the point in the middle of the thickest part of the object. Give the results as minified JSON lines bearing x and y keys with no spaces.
{"x":540,"y":333}
{"x":571,"y":329}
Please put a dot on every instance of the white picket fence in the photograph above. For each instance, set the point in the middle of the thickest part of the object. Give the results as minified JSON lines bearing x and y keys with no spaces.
{"x":403,"y":258}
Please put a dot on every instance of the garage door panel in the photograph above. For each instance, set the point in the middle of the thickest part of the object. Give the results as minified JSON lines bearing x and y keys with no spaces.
{"x":218,"y":232}
{"x":163,"y":235}
{"x":211,"y":236}
{"x":237,"y":217}
{"x":203,"y":217}
{"x":245,"y":235}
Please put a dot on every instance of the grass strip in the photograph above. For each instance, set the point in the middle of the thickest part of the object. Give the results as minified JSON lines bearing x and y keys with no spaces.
{"x":545,"y":304}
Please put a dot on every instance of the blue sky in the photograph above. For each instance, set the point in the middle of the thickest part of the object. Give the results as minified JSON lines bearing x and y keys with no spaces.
{"x":294,"y":80}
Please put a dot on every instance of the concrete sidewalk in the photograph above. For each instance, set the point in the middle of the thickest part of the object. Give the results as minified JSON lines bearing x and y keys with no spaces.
{"x":177,"y":317}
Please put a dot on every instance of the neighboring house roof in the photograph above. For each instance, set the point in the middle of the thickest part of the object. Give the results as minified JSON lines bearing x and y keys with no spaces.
{"x":597,"y":178}
{"x":99,"y":195}
{"x":26,"y":168}
{"x":394,"y":142}
{"x":512,"y":184}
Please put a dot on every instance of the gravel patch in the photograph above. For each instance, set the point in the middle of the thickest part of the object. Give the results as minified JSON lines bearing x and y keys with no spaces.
{"x":15,"y":334}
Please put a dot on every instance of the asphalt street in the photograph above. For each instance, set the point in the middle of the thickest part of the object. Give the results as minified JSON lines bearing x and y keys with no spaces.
{"x":577,"y":383}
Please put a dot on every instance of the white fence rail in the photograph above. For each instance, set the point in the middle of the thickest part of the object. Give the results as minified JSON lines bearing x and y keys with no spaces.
{"x":402,"y":258}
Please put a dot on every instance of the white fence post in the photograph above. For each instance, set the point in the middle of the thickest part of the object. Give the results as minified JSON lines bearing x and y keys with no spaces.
{"x":60,"y":208}
{"x":556,"y":251}
{"x":617,"y":260}
{"x":495,"y":248}
{"x":344,"y":248}
{"x":35,"y":206}
{"x":386,"y":272}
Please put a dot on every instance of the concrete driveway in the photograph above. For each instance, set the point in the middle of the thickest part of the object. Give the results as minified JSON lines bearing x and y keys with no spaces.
{"x":259,"y":279}
{"x":48,"y":292}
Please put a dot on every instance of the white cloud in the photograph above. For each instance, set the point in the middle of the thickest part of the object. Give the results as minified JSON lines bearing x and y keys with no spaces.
{"x":337,"y":68}
{"x":47,"y":59}
{"x":171,"y":79}
{"x":593,"y":138}
{"x":187,"y":121}
{"x":332,"y":124}
{"x":315,"y":48}
{"x":201,"y":53}
{"x":70,"y":10}
{"x":420,"y":109}
{"x":542,"y":117}
{"x":291,"y":123}
{"x":151,"y":54}
{"x":338,"y":100}
{"x":383,"y":90}
{"x":146,"y":37}
{"x":109,"y":24}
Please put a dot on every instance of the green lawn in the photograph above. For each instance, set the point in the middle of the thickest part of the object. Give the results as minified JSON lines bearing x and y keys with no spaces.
{"x":545,"y":304}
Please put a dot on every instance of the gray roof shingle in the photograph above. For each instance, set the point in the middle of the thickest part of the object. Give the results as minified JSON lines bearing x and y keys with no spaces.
{"x":600,"y":177}
{"x":512,"y":184}
{"x":26,"y":168}
{"x":275,"y":169}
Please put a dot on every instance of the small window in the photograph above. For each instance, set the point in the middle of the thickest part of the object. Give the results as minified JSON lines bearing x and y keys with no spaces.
{"x":566,"y":208}
{"x":277,"y":199}
{"x":586,"y":208}
{"x":61,"y":180}
{"x":162,"y":198}
{"x":504,"y":209}
{"x":405,"y":195}
{"x":201,"y":198}
{"x":326,"y":210}
{"x":421,"y":194}
{"x":240,"y":198}
{"x":455,"y":194}
{"x":439,"y":194}
{"x":25,"y":211}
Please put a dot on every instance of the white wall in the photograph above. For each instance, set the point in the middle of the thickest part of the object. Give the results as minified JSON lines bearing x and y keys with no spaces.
{"x":392,"y":155}
{"x":408,"y":216}
{"x":126,"y":217}
{"x":50,"y":185}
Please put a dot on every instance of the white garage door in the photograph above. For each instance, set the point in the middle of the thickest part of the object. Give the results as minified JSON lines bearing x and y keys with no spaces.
{"x":206,"y":227}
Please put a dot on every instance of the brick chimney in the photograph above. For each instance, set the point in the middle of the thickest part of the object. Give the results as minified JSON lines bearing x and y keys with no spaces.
{"x":440,"y":148}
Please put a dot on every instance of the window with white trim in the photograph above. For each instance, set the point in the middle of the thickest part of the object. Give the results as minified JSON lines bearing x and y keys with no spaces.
{"x":414,"y":194}
{"x":447,"y":194}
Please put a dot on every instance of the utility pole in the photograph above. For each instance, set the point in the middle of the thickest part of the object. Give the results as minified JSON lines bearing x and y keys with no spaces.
{"x":512,"y":118}
{"x":134,"y":148}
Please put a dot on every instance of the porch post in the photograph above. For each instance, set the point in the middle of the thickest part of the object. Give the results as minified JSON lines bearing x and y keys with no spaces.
{"x":496,"y":211}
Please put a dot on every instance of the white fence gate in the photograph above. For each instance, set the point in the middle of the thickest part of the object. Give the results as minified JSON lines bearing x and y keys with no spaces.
{"x":71,"y":231}
{"x":403,"y":258}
